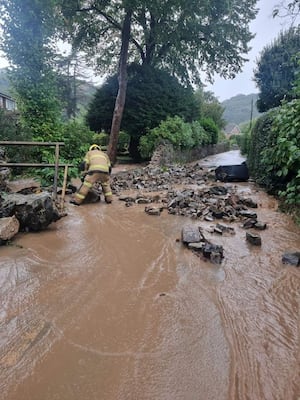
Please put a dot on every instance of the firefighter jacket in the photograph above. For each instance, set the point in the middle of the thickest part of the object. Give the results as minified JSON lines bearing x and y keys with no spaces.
{"x":97,"y":161}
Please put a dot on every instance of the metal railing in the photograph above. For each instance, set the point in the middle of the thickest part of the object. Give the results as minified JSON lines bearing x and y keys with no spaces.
{"x":56,"y":165}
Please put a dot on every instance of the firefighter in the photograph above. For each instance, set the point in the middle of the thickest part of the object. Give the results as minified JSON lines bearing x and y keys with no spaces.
{"x":97,"y":168}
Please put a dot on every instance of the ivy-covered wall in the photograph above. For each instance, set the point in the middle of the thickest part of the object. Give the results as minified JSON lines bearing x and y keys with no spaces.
{"x":166,"y":154}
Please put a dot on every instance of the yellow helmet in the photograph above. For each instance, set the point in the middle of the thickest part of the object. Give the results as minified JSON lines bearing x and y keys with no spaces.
{"x":94,"y":147}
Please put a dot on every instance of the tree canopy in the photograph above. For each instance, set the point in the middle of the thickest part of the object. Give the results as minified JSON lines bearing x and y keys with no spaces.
{"x":276,"y":70}
{"x":182,"y":37}
{"x":210,"y":107}
{"x":27,"y":41}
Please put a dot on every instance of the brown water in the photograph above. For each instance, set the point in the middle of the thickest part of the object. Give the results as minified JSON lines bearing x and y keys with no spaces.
{"x":108,"y":305}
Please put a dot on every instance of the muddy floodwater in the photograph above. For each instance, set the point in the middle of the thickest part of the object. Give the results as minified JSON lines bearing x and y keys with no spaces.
{"x":108,"y":304}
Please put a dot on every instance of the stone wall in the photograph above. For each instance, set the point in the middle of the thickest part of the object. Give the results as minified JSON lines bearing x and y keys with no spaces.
{"x":166,"y":154}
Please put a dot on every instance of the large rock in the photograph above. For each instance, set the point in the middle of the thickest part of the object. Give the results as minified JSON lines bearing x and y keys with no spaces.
{"x":191,"y":234}
{"x":34,"y":211}
{"x":24,"y":186}
{"x":9,"y":227}
{"x":253,"y":238}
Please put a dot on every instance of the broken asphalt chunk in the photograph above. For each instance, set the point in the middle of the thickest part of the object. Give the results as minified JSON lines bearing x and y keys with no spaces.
{"x":191,"y":234}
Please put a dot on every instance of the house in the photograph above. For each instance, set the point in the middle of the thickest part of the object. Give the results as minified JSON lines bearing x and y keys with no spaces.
{"x":7,"y":102}
{"x":232,"y":129}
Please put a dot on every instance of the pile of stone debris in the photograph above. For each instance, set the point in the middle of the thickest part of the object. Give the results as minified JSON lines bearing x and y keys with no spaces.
{"x":192,"y":191}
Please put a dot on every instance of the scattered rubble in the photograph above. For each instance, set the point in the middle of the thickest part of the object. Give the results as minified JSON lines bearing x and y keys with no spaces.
{"x":191,"y":191}
{"x":188,"y":190}
{"x":204,"y":199}
{"x":195,"y":240}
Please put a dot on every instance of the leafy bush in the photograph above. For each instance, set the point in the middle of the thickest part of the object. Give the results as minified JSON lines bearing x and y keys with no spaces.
{"x":123,"y":141}
{"x":243,"y":140}
{"x":181,"y":134}
{"x":12,"y":130}
{"x":283,"y":159}
{"x":282,"y":156}
{"x":221,"y":136}
{"x":261,"y":138}
{"x":101,"y":139}
{"x":199,"y":135}
{"x":77,"y":138}
{"x":211,"y":128}
{"x":174,"y":130}
{"x":274,"y":151}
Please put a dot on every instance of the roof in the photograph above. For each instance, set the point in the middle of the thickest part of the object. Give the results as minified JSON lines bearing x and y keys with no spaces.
{"x":6,"y":96}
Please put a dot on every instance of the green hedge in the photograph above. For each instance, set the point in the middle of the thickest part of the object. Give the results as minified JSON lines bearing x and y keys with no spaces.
{"x":274,"y":152}
{"x":182,"y":135}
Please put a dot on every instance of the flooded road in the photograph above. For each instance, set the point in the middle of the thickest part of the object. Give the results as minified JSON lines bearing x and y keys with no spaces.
{"x":108,"y":304}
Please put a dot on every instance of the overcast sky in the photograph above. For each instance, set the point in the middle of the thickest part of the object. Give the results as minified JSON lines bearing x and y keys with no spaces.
{"x":266,"y":29}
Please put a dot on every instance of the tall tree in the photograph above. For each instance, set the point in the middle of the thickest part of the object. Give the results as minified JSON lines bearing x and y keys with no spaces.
{"x":121,"y":96}
{"x":152,"y":96}
{"x":72,"y":80}
{"x":276,"y":70}
{"x":210,"y":107}
{"x":183,"y":37}
{"x":28,"y":32}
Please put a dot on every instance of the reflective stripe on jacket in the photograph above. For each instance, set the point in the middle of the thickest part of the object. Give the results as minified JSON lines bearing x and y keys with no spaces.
{"x":96,"y":160}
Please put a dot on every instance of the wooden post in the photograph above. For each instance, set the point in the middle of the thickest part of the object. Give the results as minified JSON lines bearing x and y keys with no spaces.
{"x":56,"y":171}
{"x":64,"y":188}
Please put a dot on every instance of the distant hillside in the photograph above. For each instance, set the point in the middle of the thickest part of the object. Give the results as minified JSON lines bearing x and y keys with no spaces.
{"x":238,"y":108}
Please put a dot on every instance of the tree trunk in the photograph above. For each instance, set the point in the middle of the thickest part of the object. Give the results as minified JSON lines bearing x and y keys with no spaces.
{"x":121,"y":97}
